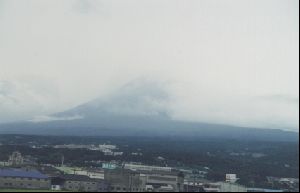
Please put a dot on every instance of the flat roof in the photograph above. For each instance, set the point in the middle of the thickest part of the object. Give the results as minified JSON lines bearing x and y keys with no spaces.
{"x":73,"y":177}
{"x":22,"y":173}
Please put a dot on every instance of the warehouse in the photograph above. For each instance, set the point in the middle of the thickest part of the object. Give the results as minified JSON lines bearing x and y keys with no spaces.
{"x":23,"y":179}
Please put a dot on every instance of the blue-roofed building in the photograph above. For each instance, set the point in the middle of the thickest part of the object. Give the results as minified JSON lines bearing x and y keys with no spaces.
{"x":23,"y":179}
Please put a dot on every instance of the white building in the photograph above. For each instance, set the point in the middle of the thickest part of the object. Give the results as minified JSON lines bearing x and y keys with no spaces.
{"x":104,"y":147}
{"x":224,"y":187}
{"x":91,"y":174}
{"x":147,"y":168}
{"x":231,"y":178}
{"x":118,"y":153}
{"x":108,"y":152}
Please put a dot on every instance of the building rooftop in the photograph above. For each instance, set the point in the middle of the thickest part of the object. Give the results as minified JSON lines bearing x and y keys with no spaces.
{"x":73,"y":177}
{"x":170,"y":173}
{"x":22,"y":173}
{"x":49,"y":171}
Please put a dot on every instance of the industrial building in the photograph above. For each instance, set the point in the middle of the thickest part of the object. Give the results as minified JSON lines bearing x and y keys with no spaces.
{"x":23,"y":179}
{"x":122,"y":180}
{"x":161,"y":181}
{"x":81,"y":183}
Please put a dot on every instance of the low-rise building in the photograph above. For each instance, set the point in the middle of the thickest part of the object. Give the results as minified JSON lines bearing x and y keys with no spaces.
{"x":92,"y":173}
{"x":224,"y":187}
{"x":80,"y":183}
{"x":159,"y":179}
{"x":231,"y":178}
{"x":118,"y":153}
{"x":104,"y":146}
{"x":109,"y":166}
{"x":165,"y":181}
{"x":23,"y":179}
{"x":108,"y":152}
{"x":147,"y":168}
{"x":122,"y":180}
{"x":15,"y":159}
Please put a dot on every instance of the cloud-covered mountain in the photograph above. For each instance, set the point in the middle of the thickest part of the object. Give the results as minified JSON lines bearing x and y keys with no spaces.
{"x":229,"y":67}
{"x":141,"y":98}
{"x":140,"y":108}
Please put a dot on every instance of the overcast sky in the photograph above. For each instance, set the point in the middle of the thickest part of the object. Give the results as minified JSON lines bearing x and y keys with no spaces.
{"x":229,"y":61}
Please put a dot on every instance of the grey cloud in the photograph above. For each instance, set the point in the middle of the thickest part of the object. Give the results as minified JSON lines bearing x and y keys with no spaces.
{"x":217,"y":57}
{"x":140,"y":97}
{"x":91,"y":7}
{"x":280,"y":98}
{"x":82,"y":6}
{"x":21,"y":100}
{"x":39,"y":119}
{"x":1,"y":8}
{"x":5,"y":88}
{"x":6,"y":92}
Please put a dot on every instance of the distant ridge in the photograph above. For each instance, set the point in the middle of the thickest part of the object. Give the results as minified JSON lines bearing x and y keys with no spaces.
{"x":138,"y":109}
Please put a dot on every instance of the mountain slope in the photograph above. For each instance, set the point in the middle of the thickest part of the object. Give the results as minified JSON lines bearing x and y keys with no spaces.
{"x":138,"y":109}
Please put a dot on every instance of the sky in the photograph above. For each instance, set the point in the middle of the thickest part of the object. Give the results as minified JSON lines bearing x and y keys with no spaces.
{"x":233,"y":61}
